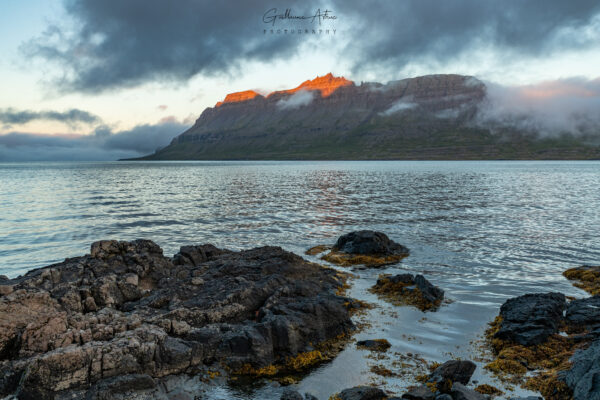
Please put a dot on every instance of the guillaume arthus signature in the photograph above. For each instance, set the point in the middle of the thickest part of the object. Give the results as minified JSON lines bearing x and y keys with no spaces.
{"x":271,"y":16}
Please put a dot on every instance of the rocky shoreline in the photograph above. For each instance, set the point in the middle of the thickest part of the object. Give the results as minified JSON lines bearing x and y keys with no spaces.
{"x":126,"y":322}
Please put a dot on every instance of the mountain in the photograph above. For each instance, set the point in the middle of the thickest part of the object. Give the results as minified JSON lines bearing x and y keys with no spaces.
{"x":428,"y":117}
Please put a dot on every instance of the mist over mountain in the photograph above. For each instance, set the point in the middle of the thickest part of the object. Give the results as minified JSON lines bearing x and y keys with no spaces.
{"x":427,"y":117}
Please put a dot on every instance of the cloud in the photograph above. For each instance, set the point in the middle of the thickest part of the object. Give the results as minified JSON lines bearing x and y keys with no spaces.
{"x":103,"y":144}
{"x":396,"y":34}
{"x":73,"y":117}
{"x":398,"y":106}
{"x":548,"y":108}
{"x":298,"y":99}
{"x":113,"y":44}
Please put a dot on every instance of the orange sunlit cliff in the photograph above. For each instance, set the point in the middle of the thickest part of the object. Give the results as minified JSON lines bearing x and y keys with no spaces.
{"x":238,"y":96}
{"x":327,"y":84}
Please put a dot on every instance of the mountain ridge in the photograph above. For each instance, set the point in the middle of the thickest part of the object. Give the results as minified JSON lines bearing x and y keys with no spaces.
{"x":426,"y":117}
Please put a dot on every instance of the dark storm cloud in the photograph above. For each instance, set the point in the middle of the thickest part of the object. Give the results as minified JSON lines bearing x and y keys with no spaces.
{"x":10,"y":116}
{"x":398,"y":32}
{"x":126,"y":43}
{"x":103,"y":144}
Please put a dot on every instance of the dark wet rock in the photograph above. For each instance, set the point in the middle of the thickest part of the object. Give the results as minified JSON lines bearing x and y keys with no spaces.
{"x":118,"y":387}
{"x":362,"y":393}
{"x":409,"y":289}
{"x":369,"y":248}
{"x":374,"y":344}
{"x":289,"y":394}
{"x":526,"y":398}
{"x":453,"y":371}
{"x":584,"y":313}
{"x":126,"y":317}
{"x":308,"y":396}
{"x":443,"y":396}
{"x":369,"y":243}
{"x":584,"y":376}
{"x":461,"y":392}
{"x":530,"y":319}
{"x":419,"y":393}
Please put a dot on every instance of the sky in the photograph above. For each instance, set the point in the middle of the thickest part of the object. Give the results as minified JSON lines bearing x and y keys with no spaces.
{"x":88,"y":79}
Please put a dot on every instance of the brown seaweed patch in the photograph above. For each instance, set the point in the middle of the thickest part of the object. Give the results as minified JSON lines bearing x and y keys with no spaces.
{"x":382,"y":371}
{"x":402,"y":293}
{"x":348,"y":259}
{"x":513,"y":362}
{"x":587,"y":277}
{"x":287,"y":371}
{"x":313,"y":251}
{"x":489,"y":390}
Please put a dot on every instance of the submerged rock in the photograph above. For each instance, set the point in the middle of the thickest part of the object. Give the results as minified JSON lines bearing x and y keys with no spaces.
{"x":127,"y":316}
{"x":374,"y":344}
{"x":369,"y":248}
{"x":409,"y":289}
{"x":530,"y":319}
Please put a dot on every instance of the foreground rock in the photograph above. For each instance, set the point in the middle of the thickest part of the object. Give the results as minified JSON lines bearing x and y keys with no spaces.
{"x":584,"y":376}
{"x":124,"y":317}
{"x":370,"y":248}
{"x":362,"y":393}
{"x":446,"y":382}
{"x":527,"y":338}
{"x":531,"y":319}
{"x":409,"y":289}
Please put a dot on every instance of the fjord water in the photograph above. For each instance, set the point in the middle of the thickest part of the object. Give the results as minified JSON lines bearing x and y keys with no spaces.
{"x":483,"y":231}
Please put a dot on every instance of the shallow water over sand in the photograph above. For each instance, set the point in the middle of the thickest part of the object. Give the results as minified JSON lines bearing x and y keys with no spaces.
{"x":483,"y":231}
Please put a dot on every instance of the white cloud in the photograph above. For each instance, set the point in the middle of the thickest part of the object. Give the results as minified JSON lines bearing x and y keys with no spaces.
{"x":398,"y":106}
{"x":298,"y":99}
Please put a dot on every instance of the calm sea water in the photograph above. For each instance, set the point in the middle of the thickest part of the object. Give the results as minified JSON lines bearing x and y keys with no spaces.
{"x":483,"y":231}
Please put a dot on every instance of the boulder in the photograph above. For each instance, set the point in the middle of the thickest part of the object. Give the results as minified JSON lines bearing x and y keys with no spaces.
{"x":420,"y":393}
{"x":369,"y":248}
{"x":454,"y":371}
{"x":409,"y":289}
{"x":530,"y":319}
{"x":584,"y":376}
{"x":461,"y":392}
{"x":584,"y":313}
{"x":369,"y":243}
{"x":289,"y":394}
{"x":362,"y":393}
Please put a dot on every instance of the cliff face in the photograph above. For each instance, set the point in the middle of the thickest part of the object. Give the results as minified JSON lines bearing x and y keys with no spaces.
{"x":334,"y":118}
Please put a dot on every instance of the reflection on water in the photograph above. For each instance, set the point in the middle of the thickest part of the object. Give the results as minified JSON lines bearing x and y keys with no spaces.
{"x":483,"y":231}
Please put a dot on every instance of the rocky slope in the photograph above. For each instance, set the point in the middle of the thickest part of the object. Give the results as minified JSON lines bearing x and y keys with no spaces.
{"x":428,"y":117}
{"x":124,"y":317}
